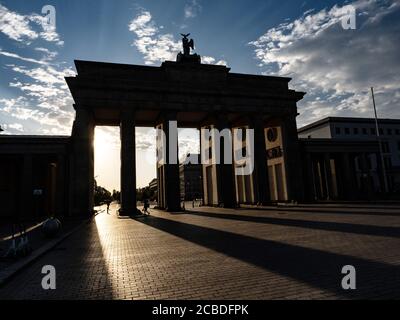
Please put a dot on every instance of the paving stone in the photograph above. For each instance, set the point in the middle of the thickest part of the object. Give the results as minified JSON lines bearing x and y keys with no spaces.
{"x":215,"y":253}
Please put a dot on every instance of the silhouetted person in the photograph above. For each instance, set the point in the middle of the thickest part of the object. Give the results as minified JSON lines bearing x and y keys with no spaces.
{"x":146,"y":206}
{"x":108,"y":202}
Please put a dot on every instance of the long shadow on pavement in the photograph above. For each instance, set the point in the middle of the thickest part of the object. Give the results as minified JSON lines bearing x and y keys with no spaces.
{"x":81,"y":266}
{"x":317,"y":268}
{"x":342,"y":211}
{"x":380,"y":231}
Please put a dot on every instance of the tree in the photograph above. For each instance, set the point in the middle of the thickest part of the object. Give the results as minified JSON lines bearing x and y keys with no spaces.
{"x":116,"y":195}
{"x":101,"y":195}
{"x":145,"y":193}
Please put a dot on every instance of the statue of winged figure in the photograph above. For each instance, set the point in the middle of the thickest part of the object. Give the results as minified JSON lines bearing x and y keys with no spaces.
{"x":187,"y":44}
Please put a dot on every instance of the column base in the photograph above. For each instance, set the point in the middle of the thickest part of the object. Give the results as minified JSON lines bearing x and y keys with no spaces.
{"x":129,"y":212}
{"x":178,"y":209}
{"x":227,"y":205}
{"x":264,"y":203}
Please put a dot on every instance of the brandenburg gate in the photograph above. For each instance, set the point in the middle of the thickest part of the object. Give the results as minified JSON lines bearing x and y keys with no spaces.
{"x":195,"y":95}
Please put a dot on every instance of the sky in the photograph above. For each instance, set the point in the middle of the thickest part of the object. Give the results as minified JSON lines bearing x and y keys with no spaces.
{"x":303,"y":40}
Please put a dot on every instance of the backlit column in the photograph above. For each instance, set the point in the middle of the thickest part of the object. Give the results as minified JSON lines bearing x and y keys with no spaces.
{"x":82,"y":178}
{"x":328,"y":176}
{"x":291,"y":151}
{"x":350,"y":183}
{"x":260,"y":162}
{"x":168,"y":168}
{"x":225,"y":168}
{"x":128,"y":164}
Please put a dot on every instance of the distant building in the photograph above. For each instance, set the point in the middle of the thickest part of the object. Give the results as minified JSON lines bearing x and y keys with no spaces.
{"x":359,"y":133}
{"x":153,"y":186}
{"x":33,"y":177}
{"x":191,"y":178}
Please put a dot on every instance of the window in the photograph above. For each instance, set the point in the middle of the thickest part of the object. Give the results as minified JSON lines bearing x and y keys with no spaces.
{"x":364,"y":131}
{"x":389,"y":132}
{"x":337,"y":131}
{"x":373,"y":131}
{"x":355,"y":130}
{"x":398,"y":145}
{"x":381,"y":132}
{"x":347,"y":130}
{"x":398,"y":132}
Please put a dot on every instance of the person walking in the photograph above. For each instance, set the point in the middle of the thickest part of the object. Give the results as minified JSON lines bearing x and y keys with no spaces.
{"x":146,"y":206}
{"x":108,"y":202}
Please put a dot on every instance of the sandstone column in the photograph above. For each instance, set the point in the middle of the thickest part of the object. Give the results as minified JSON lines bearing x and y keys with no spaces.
{"x":350,"y":185}
{"x":260,"y":163}
{"x":225,"y":170}
{"x":168,"y":171}
{"x":82,"y":178}
{"x":328,"y":176}
{"x":310,"y":191}
{"x":291,"y":151}
{"x":128,"y":164}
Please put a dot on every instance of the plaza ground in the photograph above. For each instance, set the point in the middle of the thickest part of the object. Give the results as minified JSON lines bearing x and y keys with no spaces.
{"x":215,"y":253}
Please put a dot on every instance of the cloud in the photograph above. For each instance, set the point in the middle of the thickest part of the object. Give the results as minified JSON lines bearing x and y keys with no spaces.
{"x":211,"y":60}
{"x":192,"y":9}
{"x":16,"y":56}
{"x":15,"y":26}
{"x":26,"y":28}
{"x":44,"y":99}
{"x":143,"y":26}
{"x":189,"y":142}
{"x":49,"y":32}
{"x":48,"y":55}
{"x":154,"y":45}
{"x":16,"y":126}
{"x":337,"y":67}
{"x":52,"y":121}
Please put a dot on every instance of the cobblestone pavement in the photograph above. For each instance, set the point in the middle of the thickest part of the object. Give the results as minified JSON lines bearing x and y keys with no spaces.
{"x":218,"y":253}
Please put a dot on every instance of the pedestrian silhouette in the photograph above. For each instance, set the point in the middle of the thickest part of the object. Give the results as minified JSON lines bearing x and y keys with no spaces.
{"x":108,"y":202}
{"x":146,"y":205}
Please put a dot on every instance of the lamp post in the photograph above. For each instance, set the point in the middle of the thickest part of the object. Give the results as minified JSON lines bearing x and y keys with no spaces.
{"x":385,"y":180}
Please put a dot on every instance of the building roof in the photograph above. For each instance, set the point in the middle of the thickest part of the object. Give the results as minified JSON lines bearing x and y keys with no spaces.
{"x":33,"y":138}
{"x":19,"y":144}
{"x":346,"y":120}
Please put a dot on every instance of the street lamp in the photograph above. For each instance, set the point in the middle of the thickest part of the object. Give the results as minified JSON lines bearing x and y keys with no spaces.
{"x":385,"y":179}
